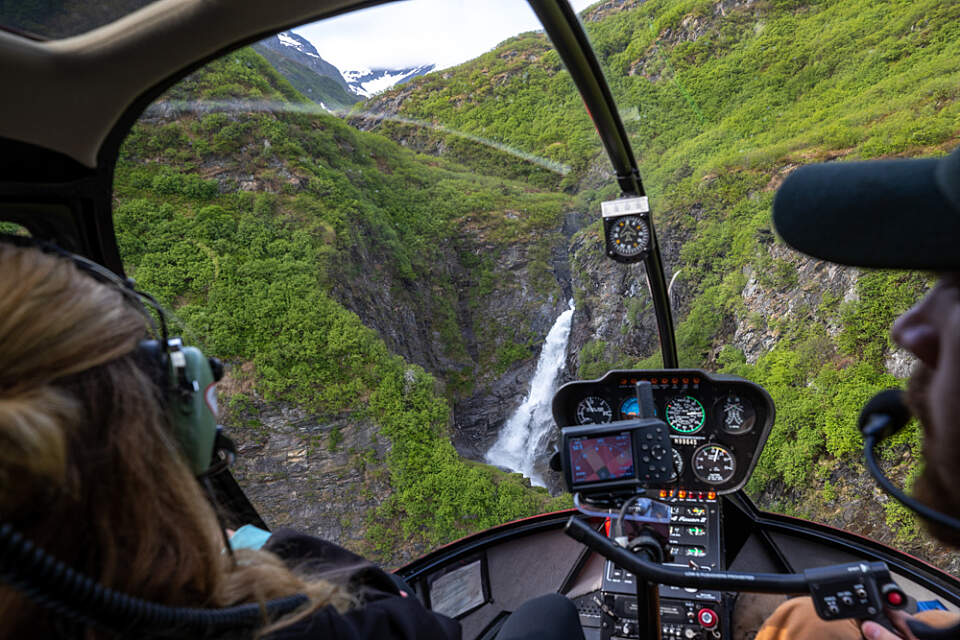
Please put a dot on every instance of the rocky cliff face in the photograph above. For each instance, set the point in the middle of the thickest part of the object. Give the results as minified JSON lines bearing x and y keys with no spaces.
{"x":476,"y":322}
{"x":615,"y":324}
{"x":318,"y":475}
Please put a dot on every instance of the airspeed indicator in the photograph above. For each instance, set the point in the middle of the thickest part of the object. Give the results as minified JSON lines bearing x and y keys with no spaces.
{"x":685,"y":414}
{"x":677,"y":465}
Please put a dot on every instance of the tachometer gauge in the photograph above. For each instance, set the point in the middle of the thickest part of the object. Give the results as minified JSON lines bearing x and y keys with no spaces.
{"x":685,"y":414}
{"x":629,"y":236}
{"x":594,"y":410}
{"x":735,"y":414}
{"x":713,"y":464}
{"x":677,"y":465}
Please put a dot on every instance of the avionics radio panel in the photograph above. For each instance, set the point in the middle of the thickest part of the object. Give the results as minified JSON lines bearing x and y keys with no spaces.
{"x":694,"y":541}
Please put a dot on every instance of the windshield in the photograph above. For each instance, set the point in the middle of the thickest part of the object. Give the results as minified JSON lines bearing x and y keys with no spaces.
{"x":397,"y":248}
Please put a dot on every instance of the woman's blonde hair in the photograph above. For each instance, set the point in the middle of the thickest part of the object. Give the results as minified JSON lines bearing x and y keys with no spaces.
{"x":89,"y":469}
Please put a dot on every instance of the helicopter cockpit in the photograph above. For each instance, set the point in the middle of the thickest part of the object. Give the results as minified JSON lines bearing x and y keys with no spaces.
{"x":399,"y":265}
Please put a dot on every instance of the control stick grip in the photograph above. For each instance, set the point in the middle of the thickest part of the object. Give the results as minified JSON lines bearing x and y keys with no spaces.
{"x":645,"y":406}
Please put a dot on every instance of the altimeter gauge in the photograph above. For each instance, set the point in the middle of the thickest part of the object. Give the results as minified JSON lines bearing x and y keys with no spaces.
{"x":594,"y":410}
{"x":677,"y":465}
{"x":713,"y":464}
{"x":629,"y":236}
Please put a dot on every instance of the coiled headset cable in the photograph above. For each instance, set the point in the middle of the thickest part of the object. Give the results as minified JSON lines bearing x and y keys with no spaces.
{"x":50,"y":583}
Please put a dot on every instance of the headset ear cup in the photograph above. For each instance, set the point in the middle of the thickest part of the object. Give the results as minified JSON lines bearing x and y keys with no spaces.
{"x":152,"y":359}
{"x":192,"y":404}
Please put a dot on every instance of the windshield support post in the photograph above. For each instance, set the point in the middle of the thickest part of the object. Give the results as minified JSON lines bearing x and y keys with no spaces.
{"x":570,"y":40}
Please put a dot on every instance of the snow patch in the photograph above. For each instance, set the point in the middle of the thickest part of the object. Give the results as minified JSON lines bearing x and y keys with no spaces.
{"x":367,"y":82}
{"x":287,"y":40}
{"x":382,"y":83}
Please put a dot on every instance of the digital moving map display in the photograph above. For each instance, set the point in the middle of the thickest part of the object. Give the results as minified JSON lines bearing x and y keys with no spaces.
{"x":605,"y":458}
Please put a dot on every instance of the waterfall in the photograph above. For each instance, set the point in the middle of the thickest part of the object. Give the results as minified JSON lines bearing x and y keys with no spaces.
{"x":526,"y":432}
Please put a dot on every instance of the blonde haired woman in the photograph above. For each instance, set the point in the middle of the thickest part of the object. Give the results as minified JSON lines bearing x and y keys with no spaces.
{"x":91,"y":473}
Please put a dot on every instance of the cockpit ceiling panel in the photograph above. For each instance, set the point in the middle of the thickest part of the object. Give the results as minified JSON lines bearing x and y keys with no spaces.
{"x":72,"y":92}
{"x":53,"y":21}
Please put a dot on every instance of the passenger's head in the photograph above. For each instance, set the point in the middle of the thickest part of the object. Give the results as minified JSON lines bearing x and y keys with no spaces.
{"x":900,"y":214}
{"x":89,"y":469}
{"x":930,"y":330}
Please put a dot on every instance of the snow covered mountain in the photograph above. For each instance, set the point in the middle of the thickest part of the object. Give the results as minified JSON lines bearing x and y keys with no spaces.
{"x":366,"y":82}
{"x":300,"y":63}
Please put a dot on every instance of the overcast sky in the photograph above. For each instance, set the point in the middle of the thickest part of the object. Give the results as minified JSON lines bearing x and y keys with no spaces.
{"x":406,"y":34}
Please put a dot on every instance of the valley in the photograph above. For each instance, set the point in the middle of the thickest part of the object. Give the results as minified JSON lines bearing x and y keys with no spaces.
{"x":381,"y":289}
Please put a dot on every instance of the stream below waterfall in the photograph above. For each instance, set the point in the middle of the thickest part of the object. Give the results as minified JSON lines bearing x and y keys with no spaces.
{"x":526,"y":433}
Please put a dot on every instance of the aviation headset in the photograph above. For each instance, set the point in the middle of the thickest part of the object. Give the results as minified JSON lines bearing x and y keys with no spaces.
{"x":186,"y":377}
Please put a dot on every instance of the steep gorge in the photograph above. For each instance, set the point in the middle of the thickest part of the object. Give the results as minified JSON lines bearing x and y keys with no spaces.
{"x":307,"y":255}
{"x":722,"y":100}
{"x":309,"y":252}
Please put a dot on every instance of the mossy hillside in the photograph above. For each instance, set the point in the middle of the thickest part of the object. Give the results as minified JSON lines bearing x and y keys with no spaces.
{"x":725,"y":105}
{"x":721,"y":101}
{"x":249,"y":273}
{"x":309,"y":83}
{"x":519,"y":94}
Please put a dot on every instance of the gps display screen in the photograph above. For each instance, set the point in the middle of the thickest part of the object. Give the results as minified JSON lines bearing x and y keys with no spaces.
{"x":599,"y":459}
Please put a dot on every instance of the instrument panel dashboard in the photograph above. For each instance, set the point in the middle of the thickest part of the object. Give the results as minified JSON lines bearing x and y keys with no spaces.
{"x":717,"y":423}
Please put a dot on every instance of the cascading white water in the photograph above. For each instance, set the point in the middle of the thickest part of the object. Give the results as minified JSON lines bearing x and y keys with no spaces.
{"x":526,"y":432}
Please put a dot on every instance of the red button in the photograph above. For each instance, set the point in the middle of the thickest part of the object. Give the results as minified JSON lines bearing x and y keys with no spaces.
{"x":895,"y":598}
{"x":707,"y":618}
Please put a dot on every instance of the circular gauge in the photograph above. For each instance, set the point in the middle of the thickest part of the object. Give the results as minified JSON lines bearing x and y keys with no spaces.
{"x":629,"y":236}
{"x":594,"y":410}
{"x":713,"y":464}
{"x":630,"y":409}
{"x":685,"y":414}
{"x":736,"y":414}
{"x":677,"y":465}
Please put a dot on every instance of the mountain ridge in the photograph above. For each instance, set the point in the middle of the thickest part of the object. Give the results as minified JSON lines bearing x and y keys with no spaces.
{"x":296,"y":59}
{"x":369,"y":82}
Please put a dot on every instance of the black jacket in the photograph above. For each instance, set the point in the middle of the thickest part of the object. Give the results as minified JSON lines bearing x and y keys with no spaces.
{"x":382,"y":614}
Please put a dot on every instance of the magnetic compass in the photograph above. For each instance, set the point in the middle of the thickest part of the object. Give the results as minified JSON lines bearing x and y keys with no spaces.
{"x":628,"y":236}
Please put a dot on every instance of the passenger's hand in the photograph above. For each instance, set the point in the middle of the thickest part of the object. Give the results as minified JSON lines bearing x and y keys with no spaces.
{"x":873,"y":631}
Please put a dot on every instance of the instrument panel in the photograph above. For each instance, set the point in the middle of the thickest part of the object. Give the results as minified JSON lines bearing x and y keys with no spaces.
{"x":718,"y":424}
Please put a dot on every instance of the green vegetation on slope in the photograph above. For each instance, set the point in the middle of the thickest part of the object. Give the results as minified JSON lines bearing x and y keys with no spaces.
{"x":784,"y":84}
{"x":721,"y":102}
{"x":237,"y":221}
{"x":518,"y":94}
{"x":724,"y":104}
{"x":320,"y":89}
